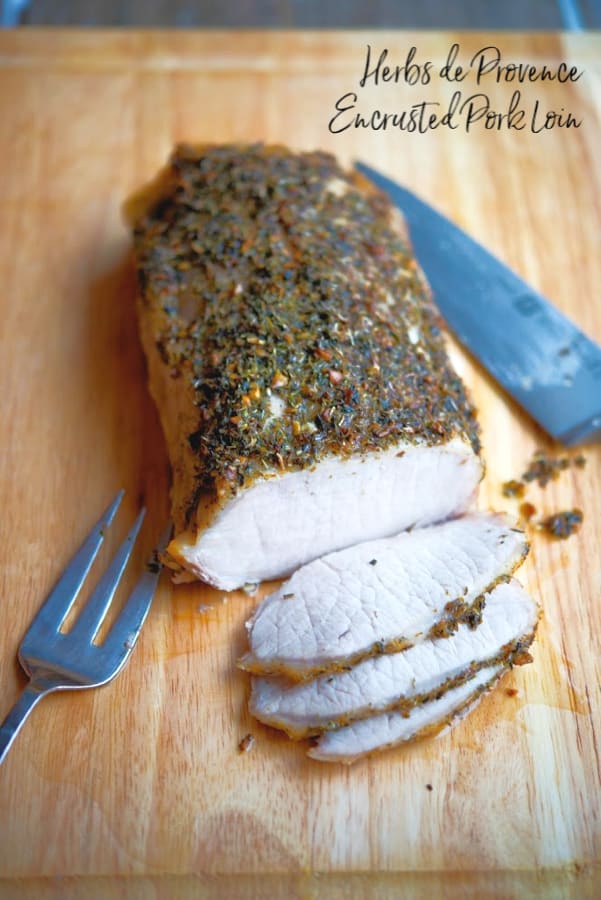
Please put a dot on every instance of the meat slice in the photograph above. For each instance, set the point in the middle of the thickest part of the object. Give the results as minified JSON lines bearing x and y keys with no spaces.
{"x":382,"y":596}
{"x":405,"y":679}
{"x":390,"y":729}
{"x":297,"y":363}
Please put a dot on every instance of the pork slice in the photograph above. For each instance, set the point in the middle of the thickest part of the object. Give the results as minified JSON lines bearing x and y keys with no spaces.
{"x":297,"y":362}
{"x":401,"y":680}
{"x":390,"y":729}
{"x":381,"y":596}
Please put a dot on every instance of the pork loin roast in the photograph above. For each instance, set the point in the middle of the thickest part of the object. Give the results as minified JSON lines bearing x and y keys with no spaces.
{"x":382,"y":596}
{"x":405,"y":679}
{"x":297,"y":363}
{"x":389,"y":729}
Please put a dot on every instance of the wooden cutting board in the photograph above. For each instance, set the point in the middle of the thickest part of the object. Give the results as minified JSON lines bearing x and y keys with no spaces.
{"x":144,"y":777}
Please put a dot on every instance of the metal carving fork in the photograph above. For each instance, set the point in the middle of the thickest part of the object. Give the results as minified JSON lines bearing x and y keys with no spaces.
{"x":55,"y":661}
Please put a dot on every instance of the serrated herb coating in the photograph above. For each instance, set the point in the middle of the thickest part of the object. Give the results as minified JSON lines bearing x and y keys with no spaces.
{"x":293,"y":303}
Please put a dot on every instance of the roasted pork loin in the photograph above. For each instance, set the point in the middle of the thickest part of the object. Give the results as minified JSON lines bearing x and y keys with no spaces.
{"x":403,"y":680}
{"x":389,"y":729}
{"x":382,"y":596}
{"x":297,"y":363}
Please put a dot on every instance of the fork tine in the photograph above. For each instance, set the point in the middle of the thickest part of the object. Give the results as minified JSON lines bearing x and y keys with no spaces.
{"x":125,"y":630}
{"x":90,"y":618}
{"x":60,"y":600}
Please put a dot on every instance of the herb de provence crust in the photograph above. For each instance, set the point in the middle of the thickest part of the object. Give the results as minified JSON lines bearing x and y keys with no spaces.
{"x":279,"y":298}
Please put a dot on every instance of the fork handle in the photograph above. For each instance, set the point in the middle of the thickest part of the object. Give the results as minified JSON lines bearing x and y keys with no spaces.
{"x":35,"y":690}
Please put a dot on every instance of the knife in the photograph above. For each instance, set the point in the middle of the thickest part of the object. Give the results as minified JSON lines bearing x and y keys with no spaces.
{"x":536,"y":353}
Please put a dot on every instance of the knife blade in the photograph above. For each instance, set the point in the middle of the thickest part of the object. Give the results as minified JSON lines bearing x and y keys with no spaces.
{"x":547,"y":364}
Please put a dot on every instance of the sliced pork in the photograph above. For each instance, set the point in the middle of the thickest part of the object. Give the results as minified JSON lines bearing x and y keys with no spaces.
{"x":297,"y":363}
{"x":382,"y":596}
{"x":393,"y":728}
{"x":405,"y":679}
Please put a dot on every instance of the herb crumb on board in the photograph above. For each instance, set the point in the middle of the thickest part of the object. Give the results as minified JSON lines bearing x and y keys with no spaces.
{"x":543,"y":468}
{"x":562,"y":524}
{"x":513,"y":488}
{"x":247,"y":743}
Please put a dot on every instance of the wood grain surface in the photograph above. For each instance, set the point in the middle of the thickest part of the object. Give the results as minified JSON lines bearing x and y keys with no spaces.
{"x":138,"y":788}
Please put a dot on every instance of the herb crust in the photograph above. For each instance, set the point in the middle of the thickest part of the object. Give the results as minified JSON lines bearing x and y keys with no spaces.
{"x":288,"y":298}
